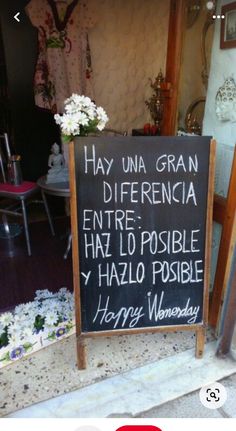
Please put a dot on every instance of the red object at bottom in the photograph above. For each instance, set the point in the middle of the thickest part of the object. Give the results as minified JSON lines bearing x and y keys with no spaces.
{"x":151,"y":129}
{"x":146,"y":129}
{"x":154,"y":129}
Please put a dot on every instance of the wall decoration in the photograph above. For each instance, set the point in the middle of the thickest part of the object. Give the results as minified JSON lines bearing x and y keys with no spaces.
{"x":226,"y":101}
{"x":156,"y":102}
{"x":193,"y":10}
{"x":228,"y":26}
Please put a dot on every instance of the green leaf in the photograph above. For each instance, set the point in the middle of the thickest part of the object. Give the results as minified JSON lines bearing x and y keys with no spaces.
{"x":4,"y":339}
{"x":67,"y":139}
{"x":39,"y":322}
{"x":69,"y":326}
{"x":5,"y":357}
{"x":51,"y":336}
{"x":27,"y":346}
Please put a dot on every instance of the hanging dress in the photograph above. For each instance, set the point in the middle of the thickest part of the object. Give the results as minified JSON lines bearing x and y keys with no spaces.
{"x":63,"y":66}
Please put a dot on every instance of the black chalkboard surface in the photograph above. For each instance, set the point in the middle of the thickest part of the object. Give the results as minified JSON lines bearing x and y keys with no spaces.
{"x":141,"y":209}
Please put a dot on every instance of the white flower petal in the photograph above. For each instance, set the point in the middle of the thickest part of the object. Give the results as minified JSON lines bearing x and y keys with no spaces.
{"x":6,"y":318}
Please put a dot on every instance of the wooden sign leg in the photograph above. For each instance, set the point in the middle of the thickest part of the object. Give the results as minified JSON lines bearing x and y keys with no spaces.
{"x":81,"y":353}
{"x":200,"y":342}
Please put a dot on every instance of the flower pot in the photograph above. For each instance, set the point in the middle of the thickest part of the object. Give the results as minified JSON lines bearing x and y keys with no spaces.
{"x":36,"y":342}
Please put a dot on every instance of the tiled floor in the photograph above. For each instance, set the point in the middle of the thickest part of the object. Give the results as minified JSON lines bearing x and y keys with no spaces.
{"x":53,"y":371}
{"x":134,"y":392}
{"x":185,"y":407}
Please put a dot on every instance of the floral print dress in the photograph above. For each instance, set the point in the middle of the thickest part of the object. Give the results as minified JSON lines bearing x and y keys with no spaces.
{"x":63,"y":66}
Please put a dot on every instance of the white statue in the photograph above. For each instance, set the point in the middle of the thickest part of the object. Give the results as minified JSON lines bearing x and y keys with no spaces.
{"x":58,"y":172}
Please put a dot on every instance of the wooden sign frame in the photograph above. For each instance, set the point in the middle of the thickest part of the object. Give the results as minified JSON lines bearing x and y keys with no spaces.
{"x":225,"y":214}
{"x":198,"y":328}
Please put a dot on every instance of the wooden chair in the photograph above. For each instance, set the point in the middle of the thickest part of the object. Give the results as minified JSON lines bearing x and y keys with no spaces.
{"x":19,"y":194}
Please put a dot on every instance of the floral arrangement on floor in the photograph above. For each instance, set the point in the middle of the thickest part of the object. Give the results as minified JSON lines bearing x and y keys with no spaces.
{"x":81,"y":117}
{"x":36,"y":324}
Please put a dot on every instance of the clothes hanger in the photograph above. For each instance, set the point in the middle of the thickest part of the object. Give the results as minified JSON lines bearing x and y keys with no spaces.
{"x":60,"y":25}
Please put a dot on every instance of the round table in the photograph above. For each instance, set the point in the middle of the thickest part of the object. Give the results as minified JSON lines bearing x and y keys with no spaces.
{"x":55,"y":189}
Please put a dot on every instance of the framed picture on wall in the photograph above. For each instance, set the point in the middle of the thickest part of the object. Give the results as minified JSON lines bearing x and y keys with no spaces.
{"x":228,"y":26}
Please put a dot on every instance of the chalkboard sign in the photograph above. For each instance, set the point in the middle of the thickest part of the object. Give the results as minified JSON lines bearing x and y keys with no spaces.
{"x":141,"y":211}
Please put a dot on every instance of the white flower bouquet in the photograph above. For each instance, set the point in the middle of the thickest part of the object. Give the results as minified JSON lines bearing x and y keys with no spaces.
{"x":36,"y":324}
{"x":81,"y":117}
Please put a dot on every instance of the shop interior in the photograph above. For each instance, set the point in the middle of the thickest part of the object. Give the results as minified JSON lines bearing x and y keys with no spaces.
{"x":158,"y":68}
{"x":150,"y":66}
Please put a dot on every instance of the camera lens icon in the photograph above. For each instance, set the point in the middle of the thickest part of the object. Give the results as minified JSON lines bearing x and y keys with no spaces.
{"x":213,"y":396}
